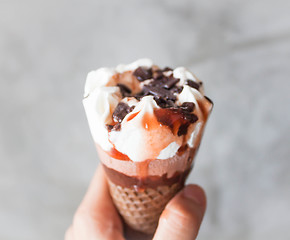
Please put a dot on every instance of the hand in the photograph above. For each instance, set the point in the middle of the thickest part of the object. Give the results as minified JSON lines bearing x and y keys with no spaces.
{"x":98,"y":219}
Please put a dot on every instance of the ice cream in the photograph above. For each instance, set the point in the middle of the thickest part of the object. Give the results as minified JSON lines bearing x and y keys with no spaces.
{"x":106,"y":88}
{"x":147,"y":124}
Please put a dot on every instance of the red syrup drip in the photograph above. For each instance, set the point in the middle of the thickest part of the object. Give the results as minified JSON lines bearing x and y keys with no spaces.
{"x":142,"y":173}
{"x":114,"y":153}
{"x":132,"y":116}
{"x":149,"y":122}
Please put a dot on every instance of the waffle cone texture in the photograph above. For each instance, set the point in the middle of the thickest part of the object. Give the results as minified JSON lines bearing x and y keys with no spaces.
{"x":141,"y":209}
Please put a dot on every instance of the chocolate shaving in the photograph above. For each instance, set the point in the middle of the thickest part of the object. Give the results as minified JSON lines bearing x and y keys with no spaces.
{"x":190,"y":117}
{"x":163,"y":88}
{"x":183,"y":129}
{"x":109,"y":127}
{"x":177,"y":89}
{"x":142,"y":73}
{"x":120,"y":112}
{"x":157,"y":82}
{"x":117,"y":127}
{"x":131,"y":108}
{"x":139,"y":95}
{"x":163,"y":103}
{"x":192,"y":84}
{"x":159,"y":92}
{"x":170,"y":82}
{"x":157,"y":74}
{"x":187,"y":106}
{"x":125,"y":91}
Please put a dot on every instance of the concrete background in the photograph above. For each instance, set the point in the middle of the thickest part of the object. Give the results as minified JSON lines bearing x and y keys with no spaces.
{"x":240,"y":49}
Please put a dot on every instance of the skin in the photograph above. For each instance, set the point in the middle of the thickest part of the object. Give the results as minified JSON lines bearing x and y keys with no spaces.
{"x":97,"y":218}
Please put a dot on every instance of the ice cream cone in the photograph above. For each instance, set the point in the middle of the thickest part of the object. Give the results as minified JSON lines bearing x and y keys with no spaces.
{"x":140,"y":201}
{"x":147,"y":123}
{"x":141,"y":209}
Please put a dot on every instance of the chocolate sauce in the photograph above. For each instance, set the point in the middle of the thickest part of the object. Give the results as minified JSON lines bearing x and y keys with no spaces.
{"x":177,"y":120}
{"x":141,"y":183}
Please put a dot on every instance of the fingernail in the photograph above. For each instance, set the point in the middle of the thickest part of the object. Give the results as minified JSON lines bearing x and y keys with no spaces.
{"x":193,"y":193}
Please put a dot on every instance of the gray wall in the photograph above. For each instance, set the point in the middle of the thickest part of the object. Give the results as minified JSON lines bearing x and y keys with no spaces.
{"x":240,"y":49}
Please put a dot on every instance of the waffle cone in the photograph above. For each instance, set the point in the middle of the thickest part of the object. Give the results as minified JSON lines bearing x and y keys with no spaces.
{"x":141,"y":210}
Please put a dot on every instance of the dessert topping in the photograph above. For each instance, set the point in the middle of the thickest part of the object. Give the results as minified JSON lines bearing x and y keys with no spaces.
{"x":121,"y":111}
{"x":142,"y":73}
{"x":125,"y":91}
{"x":187,"y":106}
{"x":163,"y":86}
{"x":192,"y":84}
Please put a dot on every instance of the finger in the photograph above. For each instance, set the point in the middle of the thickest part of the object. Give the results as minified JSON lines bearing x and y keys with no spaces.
{"x":183,"y":215}
{"x":97,"y":217}
{"x":69,"y":234}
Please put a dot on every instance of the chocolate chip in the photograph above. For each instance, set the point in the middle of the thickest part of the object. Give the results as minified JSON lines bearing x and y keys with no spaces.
{"x":183,"y":129}
{"x":117,"y":127}
{"x":125,"y":91}
{"x":109,"y":127}
{"x":120,"y":112}
{"x":139,"y":95}
{"x":177,"y":89}
{"x":160,"y":92}
{"x":155,"y":83}
{"x":171,"y":82}
{"x":192,"y":84}
{"x":187,"y":106}
{"x":142,"y":73}
{"x":157,"y":74}
{"x":143,"y":93}
{"x":161,"y":102}
{"x":190,"y":117}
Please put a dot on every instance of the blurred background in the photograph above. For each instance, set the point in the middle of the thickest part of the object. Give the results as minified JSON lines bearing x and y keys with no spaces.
{"x":240,"y":49}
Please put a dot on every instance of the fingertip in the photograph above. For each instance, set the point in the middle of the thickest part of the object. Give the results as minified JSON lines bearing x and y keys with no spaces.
{"x":183,"y":215}
{"x":195,"y":193}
